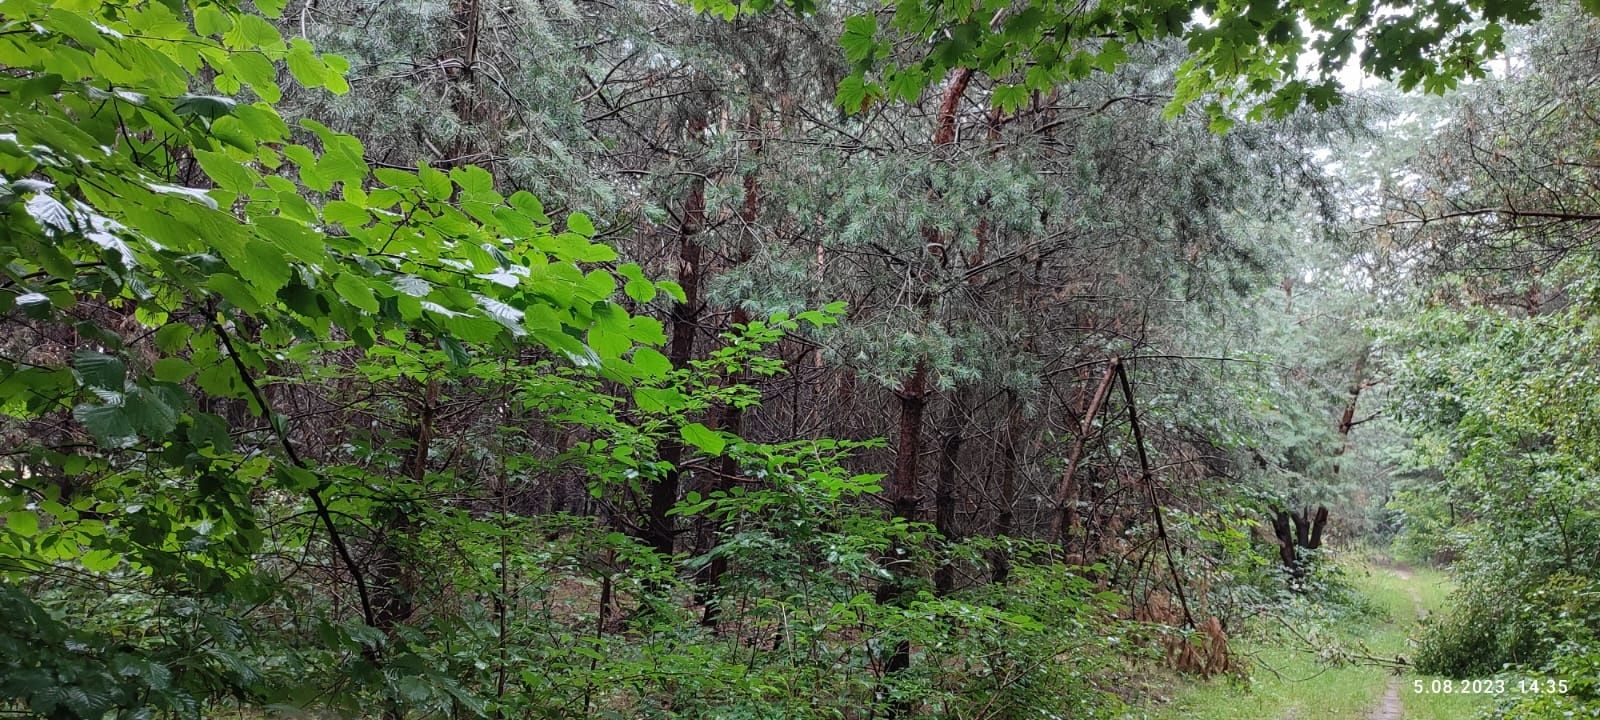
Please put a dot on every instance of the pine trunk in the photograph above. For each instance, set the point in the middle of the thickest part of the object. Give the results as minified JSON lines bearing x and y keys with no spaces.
{"x":685,"y":316}
{"x":733,"y":416}
{"x":913,"y":398}
{"x":1000,"y":561}
{"x":944,"y":496}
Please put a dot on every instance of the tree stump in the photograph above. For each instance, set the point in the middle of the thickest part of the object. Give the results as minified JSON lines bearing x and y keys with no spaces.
{"x":1296,"y":530}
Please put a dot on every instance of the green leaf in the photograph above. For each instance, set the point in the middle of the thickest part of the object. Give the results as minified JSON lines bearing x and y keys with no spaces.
{"x":253,"y":31}
{"x":107,"y":423}
{"x":208,"y":430}
{"x":527,"y":204}
{"x":672,"y":289}
{"x":640,"y":289}
{"x":151,"y":415}
{"x":907,"y":84}
{"x":342,"y":159}
{"x":209,"y":20}
{"x":356,"y":291}
{"x":852,"y":94}
{"x":100,"y":370}
{"x":294,"y":238}
{"x":34,"y":305}
{"x":651,"y":362}
{"x":607,"y":344}
{"x":209,"y":107}
{"x":296,"y":479}
{"x":646,"y":330}
{"x":172,"y":369}
{"x":1010,"y":98}
{"x":580,"y":224}
{"x":707,"y":440}
{"x":227,"y":173}
{"x":659,"y":400}
{"x":473,"y":179}
{"x":99,"y":560}
{"x":435,"y":182}
{"x":1111,"y":55}
{"x":260,"y":74}
{"x":860,"y":37}
{"x":23,"y":523}
{"x":397,"y":178}
{"x":173,"y":337}
{"x":304,"y":65}
{"x":455,"y":352}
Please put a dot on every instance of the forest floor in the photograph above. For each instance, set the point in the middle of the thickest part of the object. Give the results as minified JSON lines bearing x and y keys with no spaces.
{"x":1287,"y":680}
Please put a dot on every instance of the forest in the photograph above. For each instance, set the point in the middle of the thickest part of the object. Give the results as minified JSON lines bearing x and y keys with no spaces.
{"x":800,"y":359}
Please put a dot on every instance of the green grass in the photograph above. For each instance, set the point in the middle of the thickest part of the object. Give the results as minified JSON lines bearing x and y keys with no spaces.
{"x":1399,"y":599}
{"x":1287,"y":680}
{"x":1284,"y":683}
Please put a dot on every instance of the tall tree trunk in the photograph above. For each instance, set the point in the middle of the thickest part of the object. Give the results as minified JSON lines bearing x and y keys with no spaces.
{"x":1347,"y":419}
{"x":1000,"y":560}
{"x":1318,"y":522}
{"x":913,"y":399}
{"x":466,"y":104}
{"x":684,"y":320}
{"x":1065,"y":518}
{"x":732,"y":415}
{"x":953,"y":432}
{"x":395,"y":579}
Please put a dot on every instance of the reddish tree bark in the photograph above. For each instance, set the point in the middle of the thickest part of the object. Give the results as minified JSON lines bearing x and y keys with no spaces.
{"x":1347,"y":419}
{"x":1065,"y":518}
{"x":913,"y":395}
{"x":659,"y":530}
{"x":1000,"y":561}
{"x":733,"y":416}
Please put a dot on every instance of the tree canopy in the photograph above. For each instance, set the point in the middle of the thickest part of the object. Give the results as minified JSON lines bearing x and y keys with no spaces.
{"x":1271,"y":57}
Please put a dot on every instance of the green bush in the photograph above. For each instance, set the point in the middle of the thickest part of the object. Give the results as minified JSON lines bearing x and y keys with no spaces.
{"x":1487,"y":632}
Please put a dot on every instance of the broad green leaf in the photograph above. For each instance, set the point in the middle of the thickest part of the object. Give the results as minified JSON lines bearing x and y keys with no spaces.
{"x":210,"y":107}
{"x":640,"y":290}
{"x":172,"y":369}
{"x":304,"y":65}
{"x":22,"y":522}
{"x":707,"y":440}
{"x":651,"y":362}
{"x":107,"y":423}
{"x":226,"y":172}
{"x":99,"y":560}
{"x":455,"y":352}
{"x":579,"y":223}
{"x":356,"y":291}
{"x":99,"y":370}
{"x":172,"y":337}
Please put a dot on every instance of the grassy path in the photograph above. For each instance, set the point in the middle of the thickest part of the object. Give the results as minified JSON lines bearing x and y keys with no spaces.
{"x":1288,"y":682}
{"x":1390,"y":707}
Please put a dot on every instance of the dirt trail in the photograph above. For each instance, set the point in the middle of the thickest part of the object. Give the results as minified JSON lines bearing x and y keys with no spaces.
{"x":1389,"y":708}
{"x":1411,"y":588}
